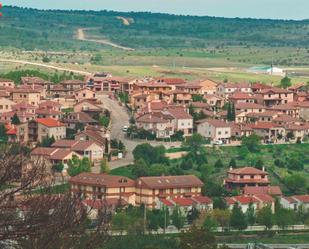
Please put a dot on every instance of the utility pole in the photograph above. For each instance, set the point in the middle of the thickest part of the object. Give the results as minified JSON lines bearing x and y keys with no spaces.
{"x":145,"y":218}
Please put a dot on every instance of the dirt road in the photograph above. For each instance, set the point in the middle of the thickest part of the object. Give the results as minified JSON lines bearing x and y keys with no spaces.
{"x":46,"y":66}
{"x":81,"y":35}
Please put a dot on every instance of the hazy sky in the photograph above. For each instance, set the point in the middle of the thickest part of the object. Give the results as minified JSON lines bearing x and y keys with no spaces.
{"x":283,"y":9}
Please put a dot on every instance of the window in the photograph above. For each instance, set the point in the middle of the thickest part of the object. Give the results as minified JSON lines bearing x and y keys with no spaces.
{"x":226,"y":132}
{"x":219,"y":132}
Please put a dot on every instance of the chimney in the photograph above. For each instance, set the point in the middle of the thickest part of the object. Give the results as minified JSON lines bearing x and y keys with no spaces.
{"x":263,"y":169}
{"x":231,"y":168}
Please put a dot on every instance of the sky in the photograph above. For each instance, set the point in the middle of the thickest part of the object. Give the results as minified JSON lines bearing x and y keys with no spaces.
{"x":274,"y":9}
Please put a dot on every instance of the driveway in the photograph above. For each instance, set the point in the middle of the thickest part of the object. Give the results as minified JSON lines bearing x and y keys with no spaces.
{"x":119,"y":118}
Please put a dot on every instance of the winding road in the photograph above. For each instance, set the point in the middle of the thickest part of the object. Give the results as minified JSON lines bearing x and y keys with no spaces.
{"x":81,"y":35}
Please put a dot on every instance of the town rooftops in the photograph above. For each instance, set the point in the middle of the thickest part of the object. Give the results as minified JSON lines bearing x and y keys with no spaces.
{"x":178,"y":113}
{"x":51,"y":153}
{"x":249,"y":106}
{"x":270,"y":190}
{"x":215,"y":123}
{"x":163,"y":182}
{"x":49,"y":122}
{"x":151,"y":118}
{"x":171,"y":81}
{"x":276,"y":90}
{"x":109,"y":181}
{"x":301,"y":198}
{"x":247,"y":171}
{"x":75,"y":145}
{"x":236,"y":85}
{"x":244,"y":200}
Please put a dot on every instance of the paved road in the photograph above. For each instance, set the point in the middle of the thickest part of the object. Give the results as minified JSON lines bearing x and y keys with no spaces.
{"x":82,"y":37}
{"x":46,"y":66}
{"x":119,"y":118}
{"x":274,"y":246}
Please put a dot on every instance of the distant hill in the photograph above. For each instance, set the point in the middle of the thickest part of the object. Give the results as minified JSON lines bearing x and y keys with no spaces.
{"x":54,"y":29}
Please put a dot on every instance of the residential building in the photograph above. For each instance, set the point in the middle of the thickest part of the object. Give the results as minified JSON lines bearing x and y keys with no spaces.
{"x":87,"y":149}
{"x":215,"y":130}
{"x":247,"y":176}
{"x":46,"y":127}
{"x":6,"y":105}
{"x":103,"y":187}
{"x":149,"y":190}
{"x":84,"y":94}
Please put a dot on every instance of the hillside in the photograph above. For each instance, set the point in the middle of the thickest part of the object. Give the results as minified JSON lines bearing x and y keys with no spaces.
{"x":37,"y":29}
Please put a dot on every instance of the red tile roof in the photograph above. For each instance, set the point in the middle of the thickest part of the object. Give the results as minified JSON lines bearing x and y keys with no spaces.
{"x":183,"y":202}
{"x":93,"y":179}
{"x":98,"y":204}
{"x":179,"y":113}
{"x":247,"y":171}
{"x":166,"y":202}
{"x":216,"y":123}
{"x":264,"y":198}
{"x":270,"y":190}
{"x":164,"y":182}
{"x":49,"y":122}
{"x":243,"y":200}
{"x":249,"y":106}
{"x":302,"y":198}
{"x":202,"y":200}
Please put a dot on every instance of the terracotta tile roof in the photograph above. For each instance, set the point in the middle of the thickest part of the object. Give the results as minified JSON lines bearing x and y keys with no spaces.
{"x":297,"y":86}
{"x":10,"y":129}
{"x":141,"y":96}
{"x":82,"y":145}
{"x":240,"y":95}
{"x":171,"y":81}
{"x":157,"y":105}
{"x":243,"y":200}
{"x":289,"y":106}
{"x":216,"y":123}
{"x":151,"y":118}
{"x":49,"y":103}
{"x":43,"y":151}
{"x":23,"y":105}
{"x":93,"y":179}
{"x":179,"y":113}
{"x":285,"y":118}
{"x":6,"y":80}
{"x":64,"y":143}
{"x":93,"y":135}
{"x":258,"y":86}
{"x":163,"y":182}
{"x":265,"y":198}
{"x":24,"y":90}
{"x":249,"y":106}
{"x":78,"y":117}
{"x":262,"y":114}
{"x":270,"y":190}
{"x":200,"y":105}
{"x":183,"y":202}
{"x":274,"y":90}
{"x":60,"y":154}
{"x":73,"y":82}
{"x":263,"y":125}
{"x":49,"y":122}
{"x":47,"y":112}
{"x":290,"y":199}
{"x":247,"y":171}
{"x":202,"y":200}
{"x":166,"y":202}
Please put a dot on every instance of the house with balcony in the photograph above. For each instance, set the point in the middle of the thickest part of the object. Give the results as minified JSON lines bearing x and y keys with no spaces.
{"x":247,"y":176}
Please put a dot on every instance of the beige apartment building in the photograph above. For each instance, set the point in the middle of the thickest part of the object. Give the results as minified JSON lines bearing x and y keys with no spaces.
{"x":216,"y":130}
{"x":6,"y":105}
{"x":29,"y":96}
{"x":51,"y":128}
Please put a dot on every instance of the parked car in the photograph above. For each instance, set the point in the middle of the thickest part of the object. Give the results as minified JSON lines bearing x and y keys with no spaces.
{"x":218,"y":142}
{"x":125,"y":128}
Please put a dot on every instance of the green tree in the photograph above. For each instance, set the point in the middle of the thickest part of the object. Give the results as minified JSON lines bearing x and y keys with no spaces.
{"x":194,"y":144}
{"x":233,"y":163}
{"x":158,"y":169}
{"x":15,"y":119}
{"x":77,"y":166}
{"x":104,"y":166}
{"x":219,"y":164}
{"x":250,"y":215}
{"x":58,"y":167}
{"x":210,"y":224}
{"x":252,"y":143}
{"x":104,"y":121}
{"x":47,"y":141}
{"x":285,"y":82}
{"x":3,"y":135}
{"x":178,"y":219}
{"x":265,"y":217}
{"x":121,"y":221}
{"x":238,"y":219}
{"x":285,"y":217}
{"x":221,"y":216}
{"x":140,"y":168}
{"x":243,"y":152}
{"x":297,"y":183}
{"x":197,"y":238}
{"x":150,"y":154}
